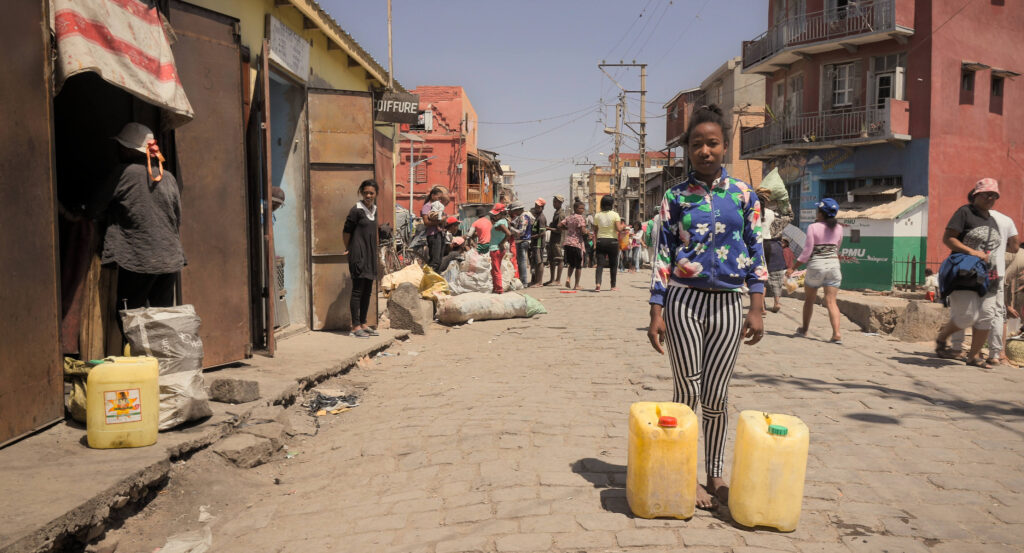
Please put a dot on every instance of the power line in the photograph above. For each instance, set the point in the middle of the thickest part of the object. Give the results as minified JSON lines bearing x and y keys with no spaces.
{"x":542,"y":119}
{"x":551,"y":130}
{"x":685,"y":30}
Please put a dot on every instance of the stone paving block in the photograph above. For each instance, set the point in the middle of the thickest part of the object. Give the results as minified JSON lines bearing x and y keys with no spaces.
{"x":449,"y":489}
{"x":378,"y":523}
{"x":566,"y":478}
{"x":644,"y":537}
{"x":513,"y":494}
{"x":968,"y":547}
{"x":961,"y":482}
{"x":234,"y":390}
{"x":604,"y":521}
{"x":417,"y":505}
{"x":924,"y":528}
{"x":584,"y":541}
{"x":469,"y":513}
{"x":878,"y":544}
{"x":769,"y":540}
{"x":703,"y":537}
{"x":246,"y":450}
{"x":516,"y":509}
{"x":523,"y":542}
{"x":819,"y":547}
{"x":468,"y":544}
{"x":554,"y":523}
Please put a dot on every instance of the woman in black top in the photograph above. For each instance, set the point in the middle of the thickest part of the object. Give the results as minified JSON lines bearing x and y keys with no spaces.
{"x":360,"y":237}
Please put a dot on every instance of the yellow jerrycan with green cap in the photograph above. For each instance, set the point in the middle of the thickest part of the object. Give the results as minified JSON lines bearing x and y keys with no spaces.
{"x":768,"y":470}
{"x":123,"y":403}
{"x":661,"y":477}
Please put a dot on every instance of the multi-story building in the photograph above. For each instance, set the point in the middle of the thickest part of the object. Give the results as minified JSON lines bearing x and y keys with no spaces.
{"x":599,"y":185}
{"x":740,"y":96}
{"x":445,"y":146}
{"x":578,"y":187}
{"x":629,"y":172}
{"x":875,"y":101}
{"x":508,"y":184}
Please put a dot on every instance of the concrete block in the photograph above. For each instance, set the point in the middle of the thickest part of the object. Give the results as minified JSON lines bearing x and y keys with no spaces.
{"x":407,"y":310}
{"x":246,"y":450}
{"x":234,"y":390}
{"x":920,"y":321}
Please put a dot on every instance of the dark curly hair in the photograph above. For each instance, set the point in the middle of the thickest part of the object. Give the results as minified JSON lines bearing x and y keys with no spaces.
{"x":707,"y":114}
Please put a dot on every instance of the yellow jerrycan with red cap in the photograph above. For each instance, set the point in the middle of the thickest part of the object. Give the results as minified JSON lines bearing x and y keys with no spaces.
{"x":768,"y":470}
{"x":123,"y":403}
{"x":661,"y":477}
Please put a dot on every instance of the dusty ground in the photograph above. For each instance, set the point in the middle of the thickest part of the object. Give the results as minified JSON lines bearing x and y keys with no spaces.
{"x":511,"y":436}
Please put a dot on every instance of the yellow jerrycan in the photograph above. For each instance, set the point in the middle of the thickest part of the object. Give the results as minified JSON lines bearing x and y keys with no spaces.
{"x":123,"y":403}
{"x":661,"y":477}
{"x":768,"y":470}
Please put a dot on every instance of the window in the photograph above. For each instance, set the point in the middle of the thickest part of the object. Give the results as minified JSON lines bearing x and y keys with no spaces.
{"x":842,"y":85}
{"x":795,"y":100}
{"x":966,"y":86}
{"x":889,"y":71}
{"x":778,"y":98}
{"x":995,"y":100}
{"x":997,"y":86}
{"x":840,"y":9}
{"x":837,"y":189}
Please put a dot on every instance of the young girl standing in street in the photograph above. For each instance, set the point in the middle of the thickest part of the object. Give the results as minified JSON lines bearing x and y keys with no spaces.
{"x":709,"y":247}
{"x":360,"y":235}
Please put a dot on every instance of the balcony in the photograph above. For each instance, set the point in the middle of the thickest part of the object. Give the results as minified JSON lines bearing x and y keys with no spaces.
{"x":860,"y":126}
{"x":847,"y":27}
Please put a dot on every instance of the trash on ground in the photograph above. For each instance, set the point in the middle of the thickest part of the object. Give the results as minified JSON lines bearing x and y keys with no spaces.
{"x":385,"y":354}
{"x":198,"y":541}
{"x":291,"y":454}
{"x":204,"y":514}
{"x":412,"y":353}
{"x":322,"y":403}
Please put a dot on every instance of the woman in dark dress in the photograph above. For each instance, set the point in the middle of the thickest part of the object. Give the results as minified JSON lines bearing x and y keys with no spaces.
{"x":360,"y":237}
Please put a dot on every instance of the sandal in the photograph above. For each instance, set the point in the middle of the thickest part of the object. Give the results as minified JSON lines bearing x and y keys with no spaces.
{"x":776,"y":309}
{"x":978,"y":362}
{"x":801,"y":331}
{"x":943,"y":351}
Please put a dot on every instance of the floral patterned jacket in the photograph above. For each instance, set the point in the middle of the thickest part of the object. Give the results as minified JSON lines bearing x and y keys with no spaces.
{"x":710,"y":238}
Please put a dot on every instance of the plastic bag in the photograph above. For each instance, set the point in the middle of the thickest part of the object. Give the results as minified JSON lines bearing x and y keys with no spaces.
{"x":76,"y":373}
{"x":780,"y":195}
{"x":171,"y":335}
{"x":509,"y":281}
{"x":474,"y":275}
{"x":534,"y":306}
{"x":432,"y":285}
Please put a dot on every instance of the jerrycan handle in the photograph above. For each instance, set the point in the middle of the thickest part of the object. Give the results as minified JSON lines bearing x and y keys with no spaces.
{"x":127,"y":350}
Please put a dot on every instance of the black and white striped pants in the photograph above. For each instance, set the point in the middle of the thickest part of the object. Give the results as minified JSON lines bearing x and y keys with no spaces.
{"x":704,"y":340}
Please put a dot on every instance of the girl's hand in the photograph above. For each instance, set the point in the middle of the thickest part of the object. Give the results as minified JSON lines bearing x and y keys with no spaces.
{"x":656,"y":331}
{"x":753,"y":326}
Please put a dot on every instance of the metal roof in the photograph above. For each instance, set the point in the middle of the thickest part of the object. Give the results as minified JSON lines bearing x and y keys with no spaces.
{"x":880,"y":211}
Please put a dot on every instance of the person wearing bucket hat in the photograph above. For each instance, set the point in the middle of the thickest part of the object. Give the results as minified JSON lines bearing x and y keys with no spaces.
{"x":520,"y":223}
{"x":140,"y":205}
{"x":821,"y":254}
{"x":977,"y":229}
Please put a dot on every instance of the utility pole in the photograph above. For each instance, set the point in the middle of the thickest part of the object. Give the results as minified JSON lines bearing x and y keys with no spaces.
{"x":621,"y":108}
{"x":643,"y":142}
{"x":618,"y":191}
{"x":586,"y":195}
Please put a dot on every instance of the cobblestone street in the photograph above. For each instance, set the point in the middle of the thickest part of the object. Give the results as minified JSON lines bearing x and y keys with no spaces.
{"x":511,"y":436}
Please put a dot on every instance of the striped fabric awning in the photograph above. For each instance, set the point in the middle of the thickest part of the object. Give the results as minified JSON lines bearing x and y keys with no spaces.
{"x":124,"y":42}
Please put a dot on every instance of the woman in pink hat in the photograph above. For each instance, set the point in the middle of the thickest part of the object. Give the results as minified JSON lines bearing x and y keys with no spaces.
{"x":973,"y":231}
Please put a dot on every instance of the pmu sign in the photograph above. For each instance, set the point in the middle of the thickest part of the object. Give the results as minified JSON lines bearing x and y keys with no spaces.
{"x":397,"y":107}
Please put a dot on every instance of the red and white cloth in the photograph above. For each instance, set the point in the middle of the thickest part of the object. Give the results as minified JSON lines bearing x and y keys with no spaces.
{"x":124,"y":42}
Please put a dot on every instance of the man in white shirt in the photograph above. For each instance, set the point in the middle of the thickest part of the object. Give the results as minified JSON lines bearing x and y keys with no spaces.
{"x":997,"y":261}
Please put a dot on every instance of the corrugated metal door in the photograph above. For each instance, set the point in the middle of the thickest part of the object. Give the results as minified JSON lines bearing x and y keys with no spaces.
{"x":211,"y":169}
{"x":31,"y":382}
{"x":341,"y":155}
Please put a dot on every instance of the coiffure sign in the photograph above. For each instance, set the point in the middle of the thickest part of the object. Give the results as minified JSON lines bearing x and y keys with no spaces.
{"x":397,"y":107}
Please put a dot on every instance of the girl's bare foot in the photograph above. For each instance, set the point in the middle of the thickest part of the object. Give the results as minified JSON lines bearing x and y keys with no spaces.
{"x":704,"y":499}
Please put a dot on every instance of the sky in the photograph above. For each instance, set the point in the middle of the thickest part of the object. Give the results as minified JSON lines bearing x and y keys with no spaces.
{"x":529,"y":67}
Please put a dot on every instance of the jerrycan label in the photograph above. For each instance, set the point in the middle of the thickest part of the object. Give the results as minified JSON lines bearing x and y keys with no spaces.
{"x":123,"y":406}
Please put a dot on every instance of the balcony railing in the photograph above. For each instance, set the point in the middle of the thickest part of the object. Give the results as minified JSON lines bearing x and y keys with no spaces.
{"x":868,"y":16}
{"x":864,"y":125}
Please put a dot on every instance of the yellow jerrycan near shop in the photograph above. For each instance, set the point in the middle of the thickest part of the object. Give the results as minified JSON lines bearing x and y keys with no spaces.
{"x":768,"y":470}
{"x":661,"y":477}
{"x":123,"y":403}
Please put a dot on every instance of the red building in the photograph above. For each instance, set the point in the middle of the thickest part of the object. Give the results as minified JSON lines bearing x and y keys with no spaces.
{"x":445,"y":147}
{"x":892,"y":98}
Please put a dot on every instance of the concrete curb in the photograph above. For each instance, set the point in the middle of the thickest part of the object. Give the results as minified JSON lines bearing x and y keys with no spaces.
{"x":886,"y":314}
{"x":89,"y":519}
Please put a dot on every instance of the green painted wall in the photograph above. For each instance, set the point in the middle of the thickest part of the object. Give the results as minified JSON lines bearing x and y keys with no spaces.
{"x":867,"y":263}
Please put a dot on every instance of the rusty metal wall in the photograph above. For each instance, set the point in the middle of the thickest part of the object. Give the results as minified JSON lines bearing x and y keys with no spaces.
{"x":384,"y":175}
{"x":31,"y":381}
{"x":211,"y":170}
{"x":341,"y":155}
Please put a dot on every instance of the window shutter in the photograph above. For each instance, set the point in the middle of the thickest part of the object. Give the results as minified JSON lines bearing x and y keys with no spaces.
{"x":825,"y":102}
{"x":857,"y":80}
{"x":898,"y":85}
